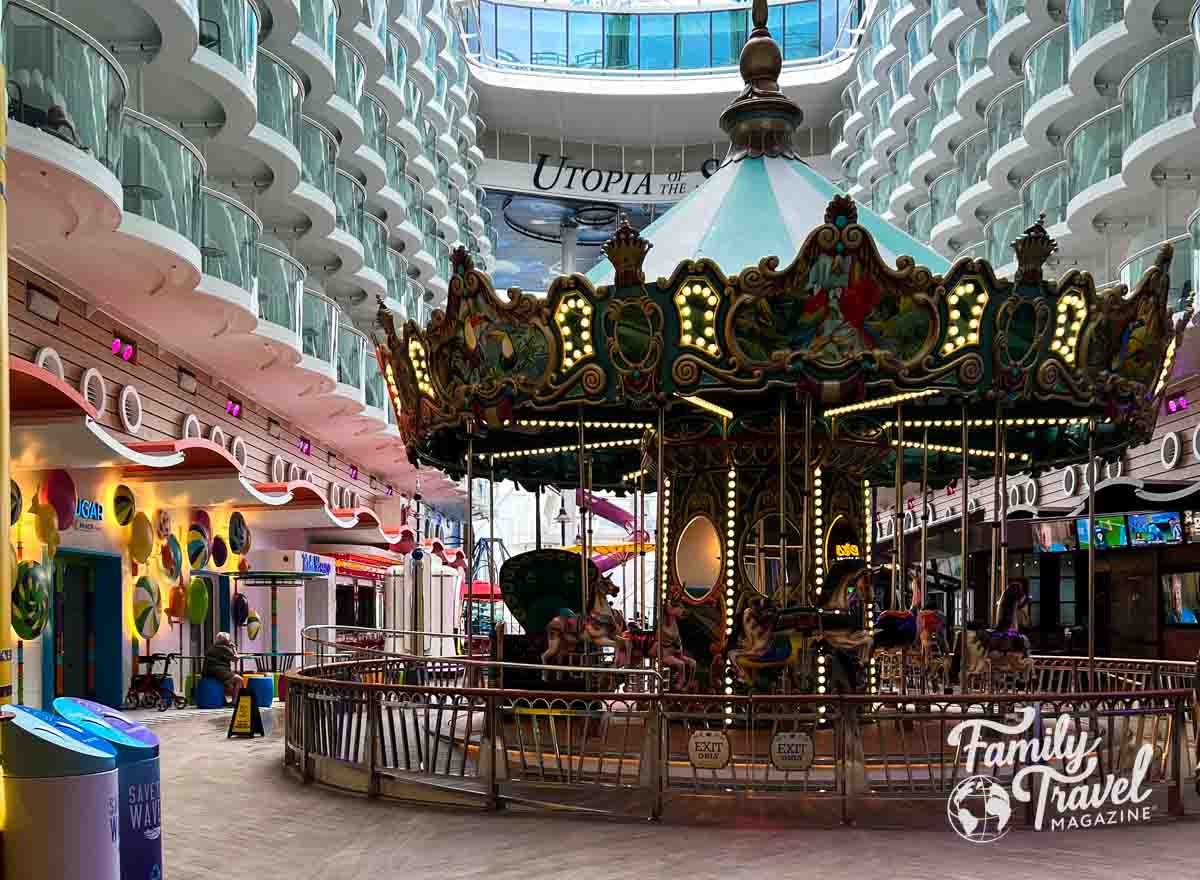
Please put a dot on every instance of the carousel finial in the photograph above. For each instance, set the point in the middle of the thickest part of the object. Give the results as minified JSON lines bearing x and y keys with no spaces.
{"x":627,"y":250}
{"x":1033,"y":246}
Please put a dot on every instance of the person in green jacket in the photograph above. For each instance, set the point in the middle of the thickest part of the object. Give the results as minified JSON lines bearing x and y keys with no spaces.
{"x":219,"y":663}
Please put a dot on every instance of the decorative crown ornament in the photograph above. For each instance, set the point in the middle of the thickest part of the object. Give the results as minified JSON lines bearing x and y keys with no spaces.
{"x":1033,"y":246}
{"x":627,"y":250}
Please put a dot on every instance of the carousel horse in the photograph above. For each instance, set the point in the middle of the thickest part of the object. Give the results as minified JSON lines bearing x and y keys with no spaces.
{"x":644,"y":643}
{"x":896,"y":632}
{"x":1003,"y":651}
{"x":601,"y":626}
{"x":761,"y":648}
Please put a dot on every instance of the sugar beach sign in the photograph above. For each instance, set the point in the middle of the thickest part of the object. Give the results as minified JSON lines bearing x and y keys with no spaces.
{"x":569,"y":178}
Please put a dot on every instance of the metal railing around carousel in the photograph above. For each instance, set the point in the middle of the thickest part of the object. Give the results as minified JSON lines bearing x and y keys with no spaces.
{"x":443,"y":729}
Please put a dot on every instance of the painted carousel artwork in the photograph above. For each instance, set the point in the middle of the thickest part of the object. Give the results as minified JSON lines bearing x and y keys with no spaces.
{"x":759,"y":362}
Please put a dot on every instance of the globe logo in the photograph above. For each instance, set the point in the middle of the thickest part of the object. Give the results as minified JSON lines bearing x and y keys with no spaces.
{"x":979,"y":809}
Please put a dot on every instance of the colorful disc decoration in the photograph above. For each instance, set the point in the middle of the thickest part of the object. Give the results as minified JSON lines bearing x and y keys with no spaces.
{"x":220,"y":551}
{"x":15,"y":502}
{"x":177,"y":607}
{"x":147,"y":606}
{"x":253,"y":625}
{"x":171,"y":557}
{"x":45,"y":526}
{"x":141,"y":538}
{"x":241,"y":609}
{"x":124,"y":505}
{"x":197,"y":601}
{"x":12,"y":562}
{"x":163,"y":524}
{"x":239,"y":534}
{"x":58,"y":490}
{"x":201,"y":518}
{"x":197,"y":546}
{"x":30,"y":600}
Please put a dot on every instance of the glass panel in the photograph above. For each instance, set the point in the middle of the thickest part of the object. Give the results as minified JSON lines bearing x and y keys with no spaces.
{"x":850,"y":97}
{"x":729,"y":32}
{"x":1000,"y":12}
{"x":350,"y":346}
{"x":971,"y":158}
{"x":1046,"y":67}
{"x":1182,"y":281}
{"x":318,"y":320}
{"x":280,"y":281}
{"x":829,"y":25}
{"x":375,"y":394}
{"x":318,"y":22}
{"x":835,"y":127}
{"x":350,"y":74}
{"x":375,"y":123}
{"x":919,"y":129}
{"x":230,"y":242}
{"x":1086,"y":18}
{"x":549,"y":38}
{"x":621,"y":42}
{"x":1046,"y":193}
{"x":586,"y":44}
{"x":943,"y":93}
{"x":512,"y":34}
{"x":918,"y":39}
{"x":1159,"y":89}
{"x":230,"y":28}
{"x":349,"y":196}
{"x":375,"y":242}
{"x":161,"y":175}
{"x":692,"y":38}
{"x":898,"y":79}
{"x":920,"y":221}
{"x":279,"y":98}
{"x":1094,"y":151}
{"x":939,"y":9}
{"x":902,"y":162}
{"x":657,"y":41}
{"x":943,"y":194}
{"x":802,"y":32}
{"x":318,"y":152}
{"x":971,"y":50}
{"x":882,"y":195}
{"x":1004,"y":116}
{"x":487,"y":28}
{"x":1000,"y":232}
{"x":48,"y":66}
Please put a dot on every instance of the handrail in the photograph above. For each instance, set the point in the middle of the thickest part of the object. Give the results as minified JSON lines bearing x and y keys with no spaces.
{"x":77,"y":32}
{"x":331,"y":137}
{"x":1018,"y":85}
{"x":1170,"y":239}
{"x":1044,"y":38}
{"x":171,"y":133}
{"x":286,"y":257}
{"x":1054,"y":166}
{"x":1161,"y":50}
{"x":230,"y":200}
{"x":1066,"y":142}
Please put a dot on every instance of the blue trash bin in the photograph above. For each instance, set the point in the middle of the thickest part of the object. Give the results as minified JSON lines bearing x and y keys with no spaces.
{"x":139,"y":794}
{"x":60,"y":795}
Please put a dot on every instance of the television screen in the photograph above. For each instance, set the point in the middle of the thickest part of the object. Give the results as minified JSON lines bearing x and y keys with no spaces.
{"x":1110,"y":531}
{"x":1155,"y":528}
{"x":1181,"y":597}
{"x":1053,"y":536}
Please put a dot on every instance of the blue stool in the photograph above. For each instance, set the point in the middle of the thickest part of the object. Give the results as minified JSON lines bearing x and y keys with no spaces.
{"x":209,"y":693}
{"x":263,"y":688}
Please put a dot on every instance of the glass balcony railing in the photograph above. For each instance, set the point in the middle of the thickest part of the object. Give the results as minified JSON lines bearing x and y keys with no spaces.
{"x":835,"y":127}
{"x":881,"y":197}
{"x":318,"y":22}
{"x":898,"y":79}
{"x":970,"y":52}
{"x":51,"y":63}
{"x":878,"y":33}
{"x":319,"y":321}
{"x":402,"y":290}
{"x":938,"y":10}
{"x":971,"y":160}
{"x":1159,"y":88}
{"x":351,"y":344}
{"x":396,"y":162}
{"x":1196,"y":24}
{"x":1086,"y":18}
{"x":1094,"y":150}
{"x":375,"y":15}
{"x":863,"y":72}
{"x":902,"y":162}
{"x":429,"y":232}
{"x":1045,"y":65}
{"x":375,"y":123}
{"x":441,"y":258}
{"x":850,"y":97}
{"x":881,"y":112}
{"x":414,"y":197}
{"x":161,"y":174}
{"x":318,"y":155}
{"x":231,"y":233}
{"x":1182,"y":285}
{"x":1046,"y":193}
{"x":230,"y":28}
{"x":395,"y":65}
{"x":943,"y":194}
{"x":440,"y":87}
{"x":974,"y":251}
{"x":919,"y":129}
{"x":1000,"y":232}
{"x":280,"y":94}
{"x":1001,"y":12}
{"x":350,"y":74}
{"x":375,"y":244}
{"x":920,"y":221}
{"x":1004,"y":115}
{"x":851,"y":165}
{"x":376,"y":390}
{"x":917,"y":39}
{"x":280,"y":286}
{"x":349,"y":196}
{"x":943,"y":95}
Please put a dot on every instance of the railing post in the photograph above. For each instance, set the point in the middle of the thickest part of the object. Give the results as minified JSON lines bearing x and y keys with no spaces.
{"x":1175,"y":795}
{"x":488,"y":753}
{"x":306,"y":720}
{"x":374,"y":723}
{"x":659,"y":736}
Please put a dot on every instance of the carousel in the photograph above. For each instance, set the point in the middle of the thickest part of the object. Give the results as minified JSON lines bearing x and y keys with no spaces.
{"x":762,"y":361}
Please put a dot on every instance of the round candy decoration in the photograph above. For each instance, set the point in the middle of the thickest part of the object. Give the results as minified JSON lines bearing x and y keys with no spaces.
{"x":253,"y":625}
{"x":197,"y":601}
{"x":12,"y":562}
{"x":141,"y":537}
{"x":220,"y":552}
{"x":239,"y":534}
{"x":197,"y":546}
{"x":171,"y":557}
{"x":30,"y":600}
{"x":15,"y":502}
{"x":58,"y":490}
{"x":147,"y":607}
{"x":241,"y":609}
{"x":45,"y":526}
{"x":163,"y":524}
{"x":124,"y":505}
{"x":201,"y":518}
{"x":177,"y":607}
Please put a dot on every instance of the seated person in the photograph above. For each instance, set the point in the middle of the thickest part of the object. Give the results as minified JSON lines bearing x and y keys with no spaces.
{"x":59,"y":124}
{"x":219,"y":662}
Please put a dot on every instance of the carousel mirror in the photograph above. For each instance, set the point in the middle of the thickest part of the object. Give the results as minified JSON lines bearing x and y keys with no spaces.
{"x":760,"y":557}
{"x":698,"y":557}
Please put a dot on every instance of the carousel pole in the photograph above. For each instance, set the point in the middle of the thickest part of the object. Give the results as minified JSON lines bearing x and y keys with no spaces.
{"x":492,"y":543}
{"x":468,"y":537}
{"x":924,"y":514}
{"x":783,"y":501}
{"x":639,"y":509}
{"x":537,"y":520}
{"x":583,"y":555}
{"x":964,"y":547}
{"x":659,"y":548}
{"x":994,"y":576}
{"x":1091,"y":580}
{"x":898,"y":567}
{"x":806,"y":558}
{"x":1003,"y":582}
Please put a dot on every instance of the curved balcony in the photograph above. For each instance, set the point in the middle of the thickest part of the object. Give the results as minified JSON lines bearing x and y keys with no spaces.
{"x":884,"y":53}
{"x":230,"y":253}
{"x":365,"y":25}
{"x":351,"y":348}
{"x":1045,"y":193}
{"x":975,"y":78}
{"x":276,"y":135}
{"x":1093,"y":153}
{"x":389,"y":197}
{"x":341,"y":110}
{"x":999,"y":233}
{"x":947,"y":125}
{"x":903,"y":191}
{"x":1003,"y":123}
{"x":971,"y":161}
{"x":413,"y":196}
{"x":855,"y":118}
{"x":402,"y":295}
{"x":923,"y":64}
{"x":1046,"y":90}
{"x":280,"y":288}
{"x":389,"y":88}
{"x":372,"y":277}
{"x":409,"y":128}
{"x":1157,"y":99}
{"x":318,"y":334}
{"x":437,"y":24}
{"x":61,"y":179}
{"x":229,"y":29}
{"x":435,"y":108}
{"x":920,"y":221}
{"x":972,"y":251}
{"x":947,"y":20}
{"x":369,"y":158}
{"x":347,"y":240}
{"x":1087,"y":18}
{"x":375,"y":393}
{"x":881,"y":196}
{"x":943,"y":195}
{"x":313,"y":50}
{"x":420,"y":74}
{"x":903,"y":101}
{"x":439,"y":284}
{"x":920,"y":130}
{"x":318,"y":164}
{"x":836,"y":128}
{"x":406,"y":24}
{"x":1182,"y":285}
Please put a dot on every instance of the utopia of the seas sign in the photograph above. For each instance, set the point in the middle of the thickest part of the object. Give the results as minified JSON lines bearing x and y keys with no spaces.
{"x":564,"y":176}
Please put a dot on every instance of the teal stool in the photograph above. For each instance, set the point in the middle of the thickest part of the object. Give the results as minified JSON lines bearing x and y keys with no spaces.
{"x":263,"y":688}
{"x":209,"y":693}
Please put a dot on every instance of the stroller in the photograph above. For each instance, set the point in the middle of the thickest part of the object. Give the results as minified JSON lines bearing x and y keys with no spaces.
{"x":150,"y":689}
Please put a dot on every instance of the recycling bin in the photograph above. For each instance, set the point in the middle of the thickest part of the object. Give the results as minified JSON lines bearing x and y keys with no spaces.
{"x":139,"y":801}
{"x":60,"y":797}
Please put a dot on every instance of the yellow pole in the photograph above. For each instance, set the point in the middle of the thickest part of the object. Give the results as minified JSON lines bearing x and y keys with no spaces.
{"x":6,"y":633}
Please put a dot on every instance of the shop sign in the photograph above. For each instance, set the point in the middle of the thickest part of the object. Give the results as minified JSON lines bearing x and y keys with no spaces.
{"x":709,"y":749}
{"x":560,"y":176}
{"x":310,"y":563}
{"x":792,"y":750}
{"x":88,"y":513}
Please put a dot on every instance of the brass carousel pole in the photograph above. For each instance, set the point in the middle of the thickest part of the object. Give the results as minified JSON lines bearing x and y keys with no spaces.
{"x":994,"y":576}
{"x":1003,"y":582}
{"x":806,"y":557}
{"x":492,"y":544}
{"x":583,"y":554}
{"x":1091,"y":581}
{"x":964,"y":546}
{"x":640,"y":506}
{"x":783,"y":456}
{"x":898,"y":560}
{"x":659,"y":546}
{"x":924,"y":515}
{"x":468,"y":538}
{"x":537,"y":521}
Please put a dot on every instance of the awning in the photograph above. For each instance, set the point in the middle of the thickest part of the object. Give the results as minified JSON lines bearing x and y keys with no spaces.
{"x":481,"y":591}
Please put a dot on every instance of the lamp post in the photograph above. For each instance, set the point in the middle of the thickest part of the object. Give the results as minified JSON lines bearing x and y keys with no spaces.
{"x":562,"y":518}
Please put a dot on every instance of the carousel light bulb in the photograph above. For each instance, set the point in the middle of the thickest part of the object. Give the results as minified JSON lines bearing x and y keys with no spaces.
{"x":587,"y":349}
{"x":687,"y":325}
{"x":971,"y":337}
{"x":685,"y":312}
{"x":709,"y":314}
{"x":687,"y":339}
{"x":954,"y":315}
{"x":587,"y":310}
{"x":709,"y":331}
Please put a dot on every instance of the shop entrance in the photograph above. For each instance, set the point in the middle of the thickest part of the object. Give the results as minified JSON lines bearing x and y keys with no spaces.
{"x":86,"y":629}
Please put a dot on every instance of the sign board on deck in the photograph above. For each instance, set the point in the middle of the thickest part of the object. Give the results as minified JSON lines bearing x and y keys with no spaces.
{"x":709,"y":749}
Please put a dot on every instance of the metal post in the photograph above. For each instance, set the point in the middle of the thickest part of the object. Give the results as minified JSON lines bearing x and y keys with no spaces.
{"x":924,"y":514}
{"x":964,"y":525}
{"x":537,"y":520}
{"x":6,"y":586}
{"x":899,"y":573}
{"x":468,"y":538}
{"x":1003,"y":452}
{"x":642,"y":545}
{"x":583,"y":549}
{"x":783,"y":527}
{"x":491,"y":547}
{"x":806,"y":517}
{"x":995,"y":582}
{"x":659,"y":544}
{"x":1091,"y":577}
